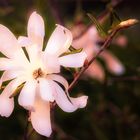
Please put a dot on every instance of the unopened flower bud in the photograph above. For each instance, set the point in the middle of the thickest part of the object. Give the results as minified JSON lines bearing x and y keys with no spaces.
{"x":128,"y":23}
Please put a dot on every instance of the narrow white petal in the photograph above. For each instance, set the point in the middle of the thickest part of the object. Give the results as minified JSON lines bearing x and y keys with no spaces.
{"x":73,"y":60}
{"x":59,"y":41}
{"x":40,"y":118}
{"x":9,"y":74}
{"x":9,"y":46}
{"x":13,"y":64}
{"x":6,"y":103}
{"x":8,"y":42}
{"x":36,"y":29}
{"x":6,"y":106}
{"x":34,"y":53}
{"x":46,"y":90}
{"x":27,"y":95}
{"x":24,"y":41}
{"x":112,"y":63}
{"x":59,"y":79}
{"x":6,"y":64}
{"x":31,"y":48}
{"x":62,"y":100}
{"x":51,"y":63}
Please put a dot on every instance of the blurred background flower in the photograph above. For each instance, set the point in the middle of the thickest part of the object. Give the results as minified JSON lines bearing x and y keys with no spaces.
{"x":90,"y":42}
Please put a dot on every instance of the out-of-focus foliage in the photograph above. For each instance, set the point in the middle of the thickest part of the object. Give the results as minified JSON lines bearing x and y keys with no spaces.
{"x":113,"y":110}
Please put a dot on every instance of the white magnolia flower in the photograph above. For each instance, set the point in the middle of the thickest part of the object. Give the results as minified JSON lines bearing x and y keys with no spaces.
{"x":39,"y":73}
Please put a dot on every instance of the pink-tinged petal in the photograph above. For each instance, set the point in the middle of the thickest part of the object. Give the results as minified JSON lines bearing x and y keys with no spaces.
{"x":89,"y":49}
{"x":73,"y":60}
{"x":12,"y":64}
{"x":8,"y":42}
{"x":36,"y":29}
{"x":9,"y":74}
{"x":112,"y":63}
{"x":27,"y":95}
{"x":62,"y":100}
{"x":51,"y":63}
{"x":6,"y":64}
{"x":80,"y":102}
{"x":6,"y":106}
{"x":31,"y":48}
{"x":24,"y":41}
{"x":59,"y":79}
{"x":34,"y":53}
{"x":59,"y":41}
{"x":121,"y":41}
{"x":46,"y":90}
{"x":81,"y":42}
{"x":40,"y":118}
{"x":91,"y":36}
{"x":96,"y":71}
{"x":6,"y":103}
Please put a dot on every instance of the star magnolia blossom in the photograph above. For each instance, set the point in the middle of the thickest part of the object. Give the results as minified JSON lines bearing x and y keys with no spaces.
{"x":88,"y":42}
{"x":39,"y":73}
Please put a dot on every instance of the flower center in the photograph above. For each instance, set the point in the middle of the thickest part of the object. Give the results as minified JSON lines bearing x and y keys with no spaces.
{"x":38,"y":73}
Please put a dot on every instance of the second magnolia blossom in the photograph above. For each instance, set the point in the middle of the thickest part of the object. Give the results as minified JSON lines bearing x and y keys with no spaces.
{"x":89,"y":42}
{"x":39,"y":73}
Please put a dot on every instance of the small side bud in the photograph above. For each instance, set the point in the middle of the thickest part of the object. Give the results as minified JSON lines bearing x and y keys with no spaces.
{"x":128,"y":23}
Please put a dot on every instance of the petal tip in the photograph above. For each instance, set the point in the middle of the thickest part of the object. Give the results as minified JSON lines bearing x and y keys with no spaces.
{"x":33,"y":13}
{"x":83,"y":102}
{"x":44,"y":132}
{"x":8,"y":109}
{"x":119,"y":70}
{"x":79,"y":102}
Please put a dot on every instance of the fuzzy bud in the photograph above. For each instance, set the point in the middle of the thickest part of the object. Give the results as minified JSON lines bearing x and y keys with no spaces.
{"x":128,"y":23}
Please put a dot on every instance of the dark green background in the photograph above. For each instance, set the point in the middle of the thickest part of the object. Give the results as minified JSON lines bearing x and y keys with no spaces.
{"x":113,"y":109}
